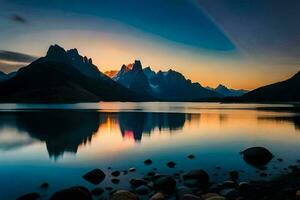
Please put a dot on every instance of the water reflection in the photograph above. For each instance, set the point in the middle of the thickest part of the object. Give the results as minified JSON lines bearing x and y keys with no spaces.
{"x":295,"y":120}
{"x":65,"y":130}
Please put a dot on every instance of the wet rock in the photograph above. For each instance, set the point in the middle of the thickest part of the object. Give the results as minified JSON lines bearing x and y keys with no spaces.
{"x":191,"y":156}
{"x":95,"y":176}
{"x":171,"y":164}
{"x":131,"y":169}
{"x":165,"y":184}
{"x":298,"y":195}
{"x":208,"y":195}
{"x":44,"y":185}
{"x":234,"y":175}
{"x":190,"y":197}
{"x":97,"y":191}
{"x":229,"y":184}
{"x":137,"y":182}
{"x":216,"y":198}
{"x":257,"y":156}
{"x":243,"y":186}
{"x":123,"y":195}
{"x":108,"y":188}
{"x":158,"y":196}
{"x":148,"y":162}
{"x":200,"y":175}
{"x":215,"y":188}
{"x":30,"y":196}
{"x":151,"y":173}
{"x":78,"y":193}
{"x":115,"y":173}
{"x":230,"y":193}
{"x":191,"y":182}
{"x":181,"y":191}
{"x":115,"y":181}
{"x":142,"y":190}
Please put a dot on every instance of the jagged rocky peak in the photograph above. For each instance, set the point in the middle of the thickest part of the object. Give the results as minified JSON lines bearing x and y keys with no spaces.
{"x":56,"y":52}
{"x":137,"y":65}
{"x":220,"y":86}
{"x":73,"y":52}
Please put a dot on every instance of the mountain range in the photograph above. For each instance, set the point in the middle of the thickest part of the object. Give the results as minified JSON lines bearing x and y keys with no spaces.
{"x":227,"y":92}
{"x":166,"y":85}
{"x":63,"y":76}
{"x":66,"y":76}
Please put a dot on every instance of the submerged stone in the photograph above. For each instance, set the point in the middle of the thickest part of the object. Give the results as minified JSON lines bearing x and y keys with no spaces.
{"x":171,"y":164}
{"x":200,"y":175}
{"x":137,"y":182}
{"x":95,"y":176}
{"x":257,"y":156}
{"x":115,"y":181}
{"x":30,"y":196}
{"x":165,"y":184}
{"x":78,"y":193}
{"x":97,"y":191}
{"x":148,"y":162}
{"x":115,"y":173}
{"x":44,"y":185}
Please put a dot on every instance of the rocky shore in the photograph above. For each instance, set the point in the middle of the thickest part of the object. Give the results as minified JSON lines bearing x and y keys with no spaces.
{"x":190,"y":185}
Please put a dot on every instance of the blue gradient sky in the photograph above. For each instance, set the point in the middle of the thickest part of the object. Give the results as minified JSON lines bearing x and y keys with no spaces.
{"x":232,"y":42}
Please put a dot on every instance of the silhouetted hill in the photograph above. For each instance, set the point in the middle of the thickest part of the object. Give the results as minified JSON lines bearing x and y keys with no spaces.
{"x":288,"y":90}
{"x":227,"y":92}
{"x":63,"y":76}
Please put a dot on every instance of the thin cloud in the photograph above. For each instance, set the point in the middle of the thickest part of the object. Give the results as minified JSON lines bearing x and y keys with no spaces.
{"x":8,"y":67}
{"x":18,"y":19}
{"x":16,"y":56}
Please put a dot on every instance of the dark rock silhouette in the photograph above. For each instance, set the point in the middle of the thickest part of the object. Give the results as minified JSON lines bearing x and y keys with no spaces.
{"x":95,"y":176}
{"x":287,"y":90}
{"x":257,"y":156}
{"x":63,"y":76}
{"x":77,"y":192}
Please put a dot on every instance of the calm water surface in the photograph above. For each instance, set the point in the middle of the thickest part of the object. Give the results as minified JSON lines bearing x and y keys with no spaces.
{"x":59,"y":143}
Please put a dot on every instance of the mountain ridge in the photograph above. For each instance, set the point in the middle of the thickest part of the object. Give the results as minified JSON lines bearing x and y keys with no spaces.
{"x":54,"y":78}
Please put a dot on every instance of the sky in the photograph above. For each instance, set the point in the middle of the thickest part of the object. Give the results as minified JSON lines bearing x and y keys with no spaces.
{"x":242,"y":44}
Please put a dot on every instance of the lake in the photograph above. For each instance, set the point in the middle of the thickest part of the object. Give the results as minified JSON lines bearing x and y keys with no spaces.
{"x":58,"y":143}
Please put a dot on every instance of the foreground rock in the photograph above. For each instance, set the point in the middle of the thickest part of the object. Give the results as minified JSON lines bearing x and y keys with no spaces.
{"x":158,"y":196}
{"x":95,"y":176}
{"x":29,"y":196}
{"x":257,"y":156}
{"x":123,"y":195}
{"x":78,"y":193}
{"x":196,"y":177}
{"x":164,"y":183}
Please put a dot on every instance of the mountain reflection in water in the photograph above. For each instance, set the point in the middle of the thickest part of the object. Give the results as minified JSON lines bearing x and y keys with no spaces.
{"x":65,"y":130}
